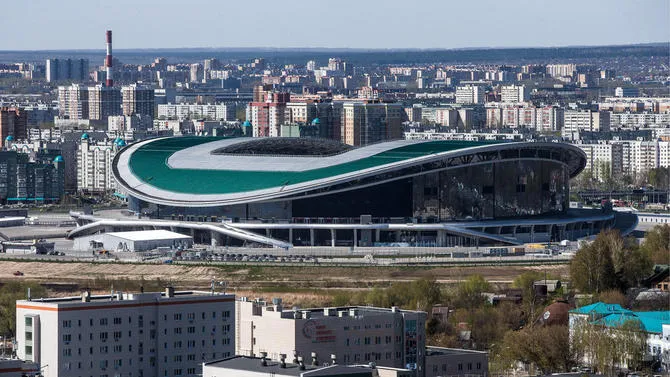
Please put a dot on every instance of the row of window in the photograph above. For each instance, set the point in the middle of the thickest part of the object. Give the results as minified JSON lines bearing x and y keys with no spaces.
{"x":119,"y":320}
{"x":371,"y":356}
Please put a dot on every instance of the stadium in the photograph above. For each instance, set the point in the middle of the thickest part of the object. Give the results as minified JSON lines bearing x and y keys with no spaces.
{"x":308,"y":192}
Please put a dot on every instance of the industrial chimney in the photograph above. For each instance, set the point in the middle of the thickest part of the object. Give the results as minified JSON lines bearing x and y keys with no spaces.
{"x":108,"y":59}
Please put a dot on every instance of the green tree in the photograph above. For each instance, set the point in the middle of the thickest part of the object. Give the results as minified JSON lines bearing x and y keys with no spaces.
{"x":606,"y":349}
{"x":530,"y":299}
{"x":470,"y":292}
{"x":657,"y":244}
{"x":592,"y":268}
{"x":9,"y":293}
{"x":544,"y":347}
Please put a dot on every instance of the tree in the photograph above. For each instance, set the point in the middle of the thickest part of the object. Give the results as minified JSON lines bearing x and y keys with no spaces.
{"x":608,"y":348}
{"x":657,"y":244}
{"x":530,"y":299}
{"x":9,"y":293}
{"x":592,"y":269}
{"x":545,"y":347}
{"x":470,"y":292}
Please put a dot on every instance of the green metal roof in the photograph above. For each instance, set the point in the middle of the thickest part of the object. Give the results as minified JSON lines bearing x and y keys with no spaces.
{"x":149,"y":164}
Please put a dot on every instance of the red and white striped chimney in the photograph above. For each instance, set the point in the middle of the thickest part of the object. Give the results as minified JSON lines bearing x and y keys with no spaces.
{"x":108,"y":59}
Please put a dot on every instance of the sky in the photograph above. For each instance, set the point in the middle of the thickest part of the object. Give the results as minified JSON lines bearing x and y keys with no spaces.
{"x":440,"y":24}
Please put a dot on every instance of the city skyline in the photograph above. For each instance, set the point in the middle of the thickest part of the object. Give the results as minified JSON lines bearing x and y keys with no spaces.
{"x":423,"y":25}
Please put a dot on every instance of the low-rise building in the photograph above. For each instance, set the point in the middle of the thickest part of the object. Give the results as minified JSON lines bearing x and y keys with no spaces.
{"x":126,"y":334}
{"x":141,"y":240}
{"x":388,"y":337}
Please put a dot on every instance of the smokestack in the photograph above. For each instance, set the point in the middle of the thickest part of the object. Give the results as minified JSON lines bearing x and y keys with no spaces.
{"x":108,"y":59}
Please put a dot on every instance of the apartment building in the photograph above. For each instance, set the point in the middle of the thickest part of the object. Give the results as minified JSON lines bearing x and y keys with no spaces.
{"x":14,"y":123}
{"x":223,"y":111}
{"x":126,"y":334}
{"x":470,"y":95}
{"x":514,"y":94}
{"x":103,"y":102}
{"x":94,"y":165}
{"x":603,"y":159}
{"x":365,"y":123}
{"x":355,"y":335}
{"x":137,"y":99}
{"x":575,"y":121}
{"x":73,"y":102}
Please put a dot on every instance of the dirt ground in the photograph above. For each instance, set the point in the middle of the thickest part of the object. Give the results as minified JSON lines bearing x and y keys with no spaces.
{"x":252,"y":276}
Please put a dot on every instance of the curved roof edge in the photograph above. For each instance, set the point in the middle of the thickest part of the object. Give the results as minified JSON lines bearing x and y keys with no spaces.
{"x":145,"y":191}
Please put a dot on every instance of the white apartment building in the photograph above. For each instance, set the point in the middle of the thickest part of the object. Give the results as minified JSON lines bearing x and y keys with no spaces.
{"x":94,"y":165}
{"x":126,"y":334}
{"x":542,"y":119}
{"x":73,"y":102}
{"x":222,"y":111}
{"x":355,"y":335}
{"x":575,"y":121}
{"x":470,"y":94}
{"x":603,"y":158}
{"x":514,"y":94}
{"x":639,"y":120}
{"x":561,"y":70}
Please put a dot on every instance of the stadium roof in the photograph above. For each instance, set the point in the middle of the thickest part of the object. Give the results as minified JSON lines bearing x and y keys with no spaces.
{"x":175,"y":169}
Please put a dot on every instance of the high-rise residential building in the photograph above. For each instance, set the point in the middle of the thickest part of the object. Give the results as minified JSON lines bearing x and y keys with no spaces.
{"x":470,"y":95}
{"x":137,"y":99}
{"x":514,"y":94}
{"x":14,"y":123}
{"x":585,"y":120}
{"x":268,"y":111}
{"x":73,"y":102}
{"x":311,"y":65}
{"x":603,"y":160}
{"x":561,"y":70}
{"x":365,"y":123}
{"x":126,"y":334}
{"x":94,"y":165}
{"x":388,"y":337}
{"x":222,"y":111}
{"x":325,"y":116}
{"x":30,"y":178}
{"x":103,"y":102}
{"x":196,"y":73}
{"x":66,"y":69}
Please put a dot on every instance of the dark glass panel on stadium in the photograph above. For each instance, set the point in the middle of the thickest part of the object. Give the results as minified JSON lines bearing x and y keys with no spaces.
{"x":495,"y":190}
{"x":392,"y":199}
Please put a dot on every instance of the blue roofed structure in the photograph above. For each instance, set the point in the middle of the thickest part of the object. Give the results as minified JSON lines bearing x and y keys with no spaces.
{"x":614,"y":316}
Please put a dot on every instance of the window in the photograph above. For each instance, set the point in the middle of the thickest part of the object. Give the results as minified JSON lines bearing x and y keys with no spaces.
{"x":191,"y":330}
{"x":103,"y":321}
{"x":103,"y":336}
{"x":460,"y":366}
{"x":117,"y":320}
{"x":225,"y":314}
{"x":190,"y":316}
{"x":469,"y":366}
{"x":177,"y":316}
{"x":67,"y":352}
{"x":177,"y":330}
{"x":66,"y":323}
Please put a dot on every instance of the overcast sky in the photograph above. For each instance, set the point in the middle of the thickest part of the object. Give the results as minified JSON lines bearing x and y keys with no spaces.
{"x":80,"y":24}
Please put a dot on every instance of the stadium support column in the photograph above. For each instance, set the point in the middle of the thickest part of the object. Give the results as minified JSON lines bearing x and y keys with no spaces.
{"x":311,"y":237}
{"x":217,"y":239}
{"x":378,"y":233}
{"x":333,"y":234}
{"x":290,"y":235}
{"x":441,"y":238}
{"x":355,"y":237}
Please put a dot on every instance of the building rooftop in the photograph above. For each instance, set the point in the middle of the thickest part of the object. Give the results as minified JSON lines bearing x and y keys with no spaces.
{"x":613,"y":315}
{"x":103,"y":301}
{"x":148,"y":235}
{"x":273,"y":368}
